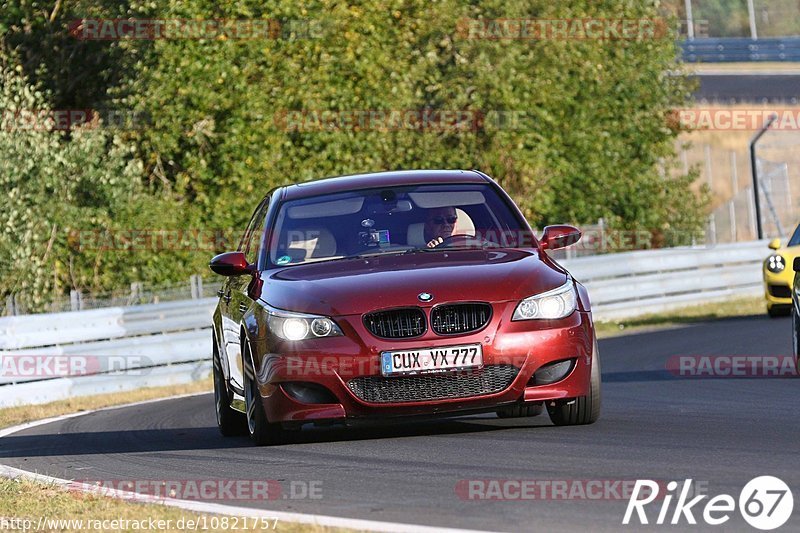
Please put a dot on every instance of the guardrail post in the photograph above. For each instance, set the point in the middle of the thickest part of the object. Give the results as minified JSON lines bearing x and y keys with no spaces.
{"x":136,"y":292}
{"x":11,"y":305}
{"x":709,"y":168}
{"x":751,"y":15}
{"x":196,"y":284}
{"x":735,"y":189}
{"x":754,"y":171}
{"x":732,"y":219}
{"x":75,"y":300}
{"x":712,"y":230}
{"x":689,"y":19}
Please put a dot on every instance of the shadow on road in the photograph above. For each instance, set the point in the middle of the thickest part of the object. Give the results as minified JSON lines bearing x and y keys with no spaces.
{"x":37,"y":442}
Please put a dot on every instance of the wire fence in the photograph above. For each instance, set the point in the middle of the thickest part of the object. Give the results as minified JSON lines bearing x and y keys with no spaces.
{"x":737,"y":18}
{"x":725,"y":168}
{"x":195,"y":288}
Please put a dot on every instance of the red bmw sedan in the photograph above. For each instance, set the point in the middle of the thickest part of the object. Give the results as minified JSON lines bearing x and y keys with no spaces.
{"x":398,"y":294}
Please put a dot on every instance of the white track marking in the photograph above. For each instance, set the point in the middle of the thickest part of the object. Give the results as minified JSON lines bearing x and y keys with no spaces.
{"x":198,"y":506}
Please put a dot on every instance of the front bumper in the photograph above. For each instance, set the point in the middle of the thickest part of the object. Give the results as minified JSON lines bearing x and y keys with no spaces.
{"x":778,"y":287}
{"x":332,"y":363}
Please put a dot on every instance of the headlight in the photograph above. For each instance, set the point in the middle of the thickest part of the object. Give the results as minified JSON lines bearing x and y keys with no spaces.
{"x":549,"y":305}
{"x":775,"y":263}
{"x":299,"y":326}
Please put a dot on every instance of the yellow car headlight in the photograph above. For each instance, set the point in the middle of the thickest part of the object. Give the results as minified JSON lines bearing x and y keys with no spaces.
{"x":775,"y":263}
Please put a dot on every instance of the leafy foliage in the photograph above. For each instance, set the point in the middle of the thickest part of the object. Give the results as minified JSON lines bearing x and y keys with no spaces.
{"x":591,"y":139}
{"x":592,"y":144}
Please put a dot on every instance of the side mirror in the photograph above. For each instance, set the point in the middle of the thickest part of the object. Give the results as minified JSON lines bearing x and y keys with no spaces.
{"x":230,"y":264}
{"x":561,"y":236}
{"x":796,"y":264}
{"x":774,"y":244}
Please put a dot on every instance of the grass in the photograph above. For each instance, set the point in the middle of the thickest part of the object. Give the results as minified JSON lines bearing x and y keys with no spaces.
{"x":26,"y":500}
{"x":11,"y":416}
{"x":766,"y":67}
{"x":683,"y":316}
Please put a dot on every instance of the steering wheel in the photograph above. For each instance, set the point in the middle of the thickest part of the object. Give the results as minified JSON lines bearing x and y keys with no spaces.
{"x":465,"y":240}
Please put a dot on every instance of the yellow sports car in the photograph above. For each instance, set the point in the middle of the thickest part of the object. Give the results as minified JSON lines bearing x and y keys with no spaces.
{"x":778,"y":275}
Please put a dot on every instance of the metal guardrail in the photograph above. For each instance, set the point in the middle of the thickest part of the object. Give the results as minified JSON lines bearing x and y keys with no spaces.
{"x":194,"y":288}
{"x":651,"y":281}
{"x":50,"y":329}
{"x":118,"y":349}
{"x":731,"y":49}
{"x":163,"y":344}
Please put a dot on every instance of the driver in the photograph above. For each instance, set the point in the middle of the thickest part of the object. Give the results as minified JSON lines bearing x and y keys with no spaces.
{"x":439,"y":225}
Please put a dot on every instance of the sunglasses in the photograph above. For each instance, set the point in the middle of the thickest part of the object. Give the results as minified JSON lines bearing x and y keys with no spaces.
{"x":440,"y":220}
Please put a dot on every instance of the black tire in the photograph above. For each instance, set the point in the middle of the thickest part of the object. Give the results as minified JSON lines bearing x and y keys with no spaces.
{"x":795,"y":339}
{"x":777,"y":311}
{"x":520,"y":410}
{"x":262,"y":432}
{"x":584,"y":409}
{"x":229,"y":421}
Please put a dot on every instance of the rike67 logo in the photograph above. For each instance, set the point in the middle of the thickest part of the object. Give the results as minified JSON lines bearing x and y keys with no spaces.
{"x":765,"y":503}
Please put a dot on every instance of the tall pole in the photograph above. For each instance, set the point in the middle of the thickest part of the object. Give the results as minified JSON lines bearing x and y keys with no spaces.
{"x":754,"y":170}
{"x":751,"y":12}
{"x":689,"y":19}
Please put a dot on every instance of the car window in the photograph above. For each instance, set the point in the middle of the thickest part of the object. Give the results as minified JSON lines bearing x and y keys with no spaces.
{"x":389,"y":220}
{"x":252,"y":239}
{"x":795,"y":240}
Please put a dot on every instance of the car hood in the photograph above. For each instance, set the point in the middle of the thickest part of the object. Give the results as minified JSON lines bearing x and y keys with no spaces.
{"x":786,"y":251}
{"x":356,"y":286}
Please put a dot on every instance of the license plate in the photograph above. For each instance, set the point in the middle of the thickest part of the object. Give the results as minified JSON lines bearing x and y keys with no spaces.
{"x":427,"y":360}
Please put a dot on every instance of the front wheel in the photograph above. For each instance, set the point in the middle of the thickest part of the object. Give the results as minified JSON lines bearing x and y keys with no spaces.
{"x":777,"y":311}
{"x":262,"y":432}
{"x":795,"y":338}
{"x":584,"y":409}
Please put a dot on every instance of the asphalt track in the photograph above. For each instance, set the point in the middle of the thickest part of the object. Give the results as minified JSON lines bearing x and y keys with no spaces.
{"x":720,"y":432}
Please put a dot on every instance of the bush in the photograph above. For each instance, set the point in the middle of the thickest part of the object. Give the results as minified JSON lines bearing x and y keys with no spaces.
{"x":590,"y":138}
{"x":593,"y":143}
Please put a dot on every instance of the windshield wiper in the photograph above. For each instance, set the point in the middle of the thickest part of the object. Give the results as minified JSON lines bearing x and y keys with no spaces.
{"x":369,"y":255}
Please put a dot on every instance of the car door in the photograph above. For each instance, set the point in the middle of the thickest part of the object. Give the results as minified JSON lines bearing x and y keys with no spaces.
{"x":235,"y":301}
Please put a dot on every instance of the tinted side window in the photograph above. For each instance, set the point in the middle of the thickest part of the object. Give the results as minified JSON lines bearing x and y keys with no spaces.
{"x":251,"y":241}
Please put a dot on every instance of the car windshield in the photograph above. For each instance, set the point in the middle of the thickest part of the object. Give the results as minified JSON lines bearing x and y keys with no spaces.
{"x":795,"y":240}
{"x":392,"y":220}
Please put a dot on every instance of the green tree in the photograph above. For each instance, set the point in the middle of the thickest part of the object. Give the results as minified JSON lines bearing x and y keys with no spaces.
{"x":62,"y":191}
{"x":594,"y":144}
